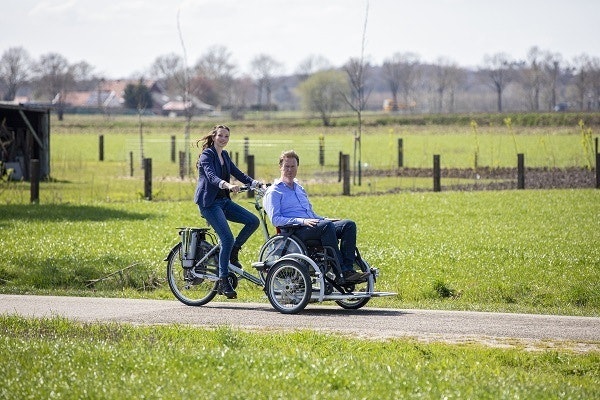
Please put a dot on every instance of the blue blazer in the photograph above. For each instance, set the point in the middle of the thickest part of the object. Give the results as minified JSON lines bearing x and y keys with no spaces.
{"x":209,"y":175}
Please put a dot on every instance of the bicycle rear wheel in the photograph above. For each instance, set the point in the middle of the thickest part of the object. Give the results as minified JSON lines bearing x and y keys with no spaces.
{"x":193,"y":286}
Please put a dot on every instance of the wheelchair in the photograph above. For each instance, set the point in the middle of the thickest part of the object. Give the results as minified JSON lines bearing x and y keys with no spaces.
{"x":297,"y":273}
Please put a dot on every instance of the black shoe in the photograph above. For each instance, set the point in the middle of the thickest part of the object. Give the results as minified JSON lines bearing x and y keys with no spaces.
{"x":226,"y":289}
{"x":233,"y":258}
{"x":352,"y":276}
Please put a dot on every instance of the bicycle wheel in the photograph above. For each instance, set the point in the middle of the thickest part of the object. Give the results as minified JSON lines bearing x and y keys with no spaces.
{"x":191,"y":285}
{"x":288,"y":286}
{"x":365,"y":287}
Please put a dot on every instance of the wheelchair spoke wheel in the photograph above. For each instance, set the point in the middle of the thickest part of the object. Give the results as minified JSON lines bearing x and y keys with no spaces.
{"x":191,"y":285}
{"x":363,"y":287}
{"x":288,"y":286}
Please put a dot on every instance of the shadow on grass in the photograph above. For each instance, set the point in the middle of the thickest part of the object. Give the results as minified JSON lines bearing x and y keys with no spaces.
{"x":65,"y":212}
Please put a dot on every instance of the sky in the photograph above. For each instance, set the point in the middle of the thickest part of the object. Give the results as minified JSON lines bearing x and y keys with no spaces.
{"x":123,"y":38}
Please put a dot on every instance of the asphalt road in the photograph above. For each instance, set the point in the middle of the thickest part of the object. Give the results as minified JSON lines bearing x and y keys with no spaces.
{"x":495,"y":329}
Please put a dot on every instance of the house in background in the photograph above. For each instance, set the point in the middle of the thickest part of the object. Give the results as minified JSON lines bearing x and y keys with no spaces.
{"x":109,"y":98}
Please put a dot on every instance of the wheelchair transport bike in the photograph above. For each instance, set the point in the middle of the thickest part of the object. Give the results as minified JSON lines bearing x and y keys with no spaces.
{"x":291,"y":273}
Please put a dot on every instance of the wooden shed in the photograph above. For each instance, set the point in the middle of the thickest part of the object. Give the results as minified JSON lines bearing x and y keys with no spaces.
{"x":24,"y":136}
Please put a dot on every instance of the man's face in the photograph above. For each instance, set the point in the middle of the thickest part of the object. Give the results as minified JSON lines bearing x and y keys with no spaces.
{"x":289,"y":167}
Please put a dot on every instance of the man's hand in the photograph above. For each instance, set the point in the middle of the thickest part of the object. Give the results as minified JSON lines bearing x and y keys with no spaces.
{"x":310,"y":222}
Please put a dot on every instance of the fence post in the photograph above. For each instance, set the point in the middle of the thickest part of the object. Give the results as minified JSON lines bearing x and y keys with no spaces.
{"x":521,"y":171}
{"x":34,"y":180}
{"x":147,"y":178}
{"x":345,"y":162}
{"x":181,"y":164}
{"x":246,"y":148}
{"x":101,"y":147}
{"x":437,"y":187}
{"x":131,"y":163}
{"x":340,"y":158}
{"x":400,"y":153}
{"x":173,"y":151}
{"x":597,"y":170}
{"x":249,"y":193}
{"x":321,"y":150}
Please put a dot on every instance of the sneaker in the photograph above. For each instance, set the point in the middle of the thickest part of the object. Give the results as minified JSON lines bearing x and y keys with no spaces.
{"x":355,"y":276}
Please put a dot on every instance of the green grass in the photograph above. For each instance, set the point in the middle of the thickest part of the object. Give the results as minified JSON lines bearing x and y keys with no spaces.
{"x":55,"y":358}
{"x":516,"y":251}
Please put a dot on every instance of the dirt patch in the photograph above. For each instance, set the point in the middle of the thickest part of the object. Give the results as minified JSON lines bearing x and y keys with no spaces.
{"x":501,"y":178}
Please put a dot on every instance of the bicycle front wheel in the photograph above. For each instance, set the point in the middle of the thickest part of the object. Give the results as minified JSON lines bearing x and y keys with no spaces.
{"x":288,"y":286}
{"x":191,"y":285}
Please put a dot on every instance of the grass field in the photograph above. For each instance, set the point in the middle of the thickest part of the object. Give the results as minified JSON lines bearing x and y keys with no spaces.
{"x":533,"y":251}
{"x":54,"y":358}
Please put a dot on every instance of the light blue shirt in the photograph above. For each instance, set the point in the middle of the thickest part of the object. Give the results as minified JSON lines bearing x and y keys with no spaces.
{"x":287,"y":206}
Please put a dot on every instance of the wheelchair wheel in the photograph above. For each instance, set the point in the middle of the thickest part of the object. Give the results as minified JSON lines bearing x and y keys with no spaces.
{"x":365,"y":287}
{"x":288,"y":286}
{"x":276,"y":247}
{"x":188,"y":288}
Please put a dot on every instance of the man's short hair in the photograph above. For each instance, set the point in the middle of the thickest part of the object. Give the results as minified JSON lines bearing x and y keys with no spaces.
{"x":288,"y":154}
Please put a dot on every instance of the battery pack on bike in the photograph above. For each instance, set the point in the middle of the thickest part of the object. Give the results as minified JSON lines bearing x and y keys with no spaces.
{"x":190,"y":238}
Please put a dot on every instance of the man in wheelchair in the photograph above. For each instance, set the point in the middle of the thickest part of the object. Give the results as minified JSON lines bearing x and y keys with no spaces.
{"x":287,"y":205}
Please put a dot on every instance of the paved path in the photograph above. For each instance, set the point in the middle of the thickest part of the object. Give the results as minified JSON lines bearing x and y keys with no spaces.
{"x":497,"y":329}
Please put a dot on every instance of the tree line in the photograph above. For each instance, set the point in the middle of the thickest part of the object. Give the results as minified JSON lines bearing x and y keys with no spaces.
{"x":543,"y":81}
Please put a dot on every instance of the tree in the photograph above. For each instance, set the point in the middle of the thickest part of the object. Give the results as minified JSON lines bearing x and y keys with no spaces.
{"x":323,"y":93}
{"x":356,"y":70}
{"x":15,"y":65}
{"x":55,"y":77}
{"x":582,"y":68}
{"x":534,"y":77}
{"x":499,"y":70}
{"x":402,"y":73}
{"x":215,"y":65}
{"x":311,"y":65}
{"x":265,"y":68}
{"x":445,"y":80}
{"x":137,"y":96}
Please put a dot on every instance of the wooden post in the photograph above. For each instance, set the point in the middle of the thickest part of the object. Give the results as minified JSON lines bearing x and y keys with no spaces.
{"x":321,"y":150}
{"x":173,"y":150}
{"x":346,"y":174}
{"x":437,"y":175}
{"x":148,"y":178}
{"x":182,"y":164}
{"x":597,"y":170}
{"x":246,"y":148}
{"x":250,"y":173}
{"x":34,"y":180}
{"x":340,"y":159}
{"x":521,"y":171}
{"x":101,"y":147}
{"x":131,"y":163}
{"x":400,"y":153}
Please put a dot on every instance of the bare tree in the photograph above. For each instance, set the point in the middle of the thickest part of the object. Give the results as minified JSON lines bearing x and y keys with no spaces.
{"x":356,"y":69}
{"x":446,"y":78}
{"x":582,"y":69}
{"x":215,"y":66}
{"x":533,"y":75}
{"x":265,"y":68}
{"x":499,"y":68}
{"x":15,"y":65}
{"x":552,"y":65}
{"x":311,"y":65}
{"x":402,"y":73}
{"x":55,"y":78}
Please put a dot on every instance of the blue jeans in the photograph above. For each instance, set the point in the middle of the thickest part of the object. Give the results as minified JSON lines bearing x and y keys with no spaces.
{"x":328,"y":232}
{"x":217,"y":215}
